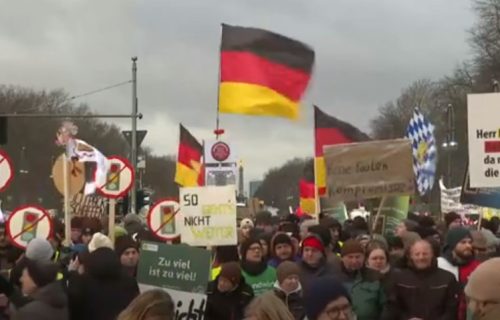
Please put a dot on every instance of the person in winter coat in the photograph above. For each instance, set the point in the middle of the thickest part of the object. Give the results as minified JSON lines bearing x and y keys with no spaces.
{"x":49,"y":299}
{"x":313,"y":262}
{"x":289,"y":290}
{"x":423,"y":291}
{"x":228,"y":295}
{"x":483,"y":292}
{"x":282,"y":249}
{"x":363,"y":284}
{"x":325,"y":235}
{"x":377,"y":258}
{"x":128,"y":251}
{"x":335,"y":229}
{"x":257,"y":273}
{"x":458,"y":258}
{"x":104,"y":290}
{"x":328,"y":299}
{"x":267,"y":307}
{"x":150,"y":305}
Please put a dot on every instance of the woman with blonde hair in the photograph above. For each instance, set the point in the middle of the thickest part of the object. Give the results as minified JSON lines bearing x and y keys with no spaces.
{"x":150,"y":305}
{"x":267,"y":307}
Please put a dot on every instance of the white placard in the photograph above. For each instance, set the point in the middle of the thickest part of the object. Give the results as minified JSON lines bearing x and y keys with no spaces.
{"x":188,"y":305}
{"x":207,"y":216}
{"x":6,"y":170}
{"x":161,"y":219}
{"x":483,"y":114}
{"x":28,"y":222}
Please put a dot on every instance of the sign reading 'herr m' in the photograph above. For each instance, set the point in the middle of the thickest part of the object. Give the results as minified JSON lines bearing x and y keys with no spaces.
{"x":369,"y":169}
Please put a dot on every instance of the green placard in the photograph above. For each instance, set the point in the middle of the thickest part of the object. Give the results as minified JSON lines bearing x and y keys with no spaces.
{"x":395,"y":210}
{"x":178,"y":267}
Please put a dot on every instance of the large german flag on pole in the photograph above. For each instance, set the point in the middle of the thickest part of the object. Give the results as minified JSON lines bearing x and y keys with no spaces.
{"x":329,"y":131}
{"x":262,"y":73}
{"x":189,"y":168}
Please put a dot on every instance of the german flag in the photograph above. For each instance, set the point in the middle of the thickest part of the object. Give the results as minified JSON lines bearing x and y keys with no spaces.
{"x":189,"y":168}
{"x":329,"y":131}
{"x":262,"y":73}
{"x":307,"y":197}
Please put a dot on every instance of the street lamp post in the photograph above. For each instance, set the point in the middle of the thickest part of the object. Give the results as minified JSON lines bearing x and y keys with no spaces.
{"x":450,"y":144}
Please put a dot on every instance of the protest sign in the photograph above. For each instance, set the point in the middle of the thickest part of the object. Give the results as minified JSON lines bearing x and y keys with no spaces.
{"x":92,"y":206}
{"x":181,"y":270}
{"x":484,"y":139}
{"x":28,"y":222}
{"x":119,"y":178}
{"x":178,"y":267}
{"x":207,"y":216}
{"x":6,"y":170}
{"x":367,"y":170}
{"x":161,"y":219}
{"x":395,"y":210}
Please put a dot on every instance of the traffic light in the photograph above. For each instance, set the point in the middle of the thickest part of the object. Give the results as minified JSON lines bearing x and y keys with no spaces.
{"x":3,"y":130}
{"x":142,"y":199}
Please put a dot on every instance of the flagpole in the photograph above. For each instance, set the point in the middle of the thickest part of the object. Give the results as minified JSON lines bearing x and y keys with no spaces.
{"x":218,"y":131}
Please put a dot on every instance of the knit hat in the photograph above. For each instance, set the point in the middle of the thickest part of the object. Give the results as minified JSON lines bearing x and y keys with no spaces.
{"x":351,"y":246}
{"x":313,"y":241}
{"x":246,"y":245}
{"x":491,"y":239}
{"x":454,"y":236}
{"x":322,"y":232}
{"x":42,"y":273}
{"x":450,"y":217}
{"x":76,"y":223}
{"x":280,"y":238}
{"x":246,"y":222}
{"x":478,"y":239}
{"x":123,"y":243}
{"x":484,"y":282}
{"x":99,"y":241}
{"x":39,"y":250}
{"x":320,"y":293}
{"x":286,"y":269}
{"x":231,"y":271}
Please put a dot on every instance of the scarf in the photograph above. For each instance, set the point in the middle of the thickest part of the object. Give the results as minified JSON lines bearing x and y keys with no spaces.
{"x":254,"y":268}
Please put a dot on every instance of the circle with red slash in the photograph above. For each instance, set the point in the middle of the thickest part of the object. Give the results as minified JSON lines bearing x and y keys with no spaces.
{"x":154,"y":219}
{"x":221,"y":151}
{"x":37,"y":216}
{"x":6,"y":170}
{"x":127,"y":175}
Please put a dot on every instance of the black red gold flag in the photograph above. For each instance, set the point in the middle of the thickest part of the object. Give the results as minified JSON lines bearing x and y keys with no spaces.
{"x":330,"y":131}
{"x":262,"y":73}
{"x":189,"y":169}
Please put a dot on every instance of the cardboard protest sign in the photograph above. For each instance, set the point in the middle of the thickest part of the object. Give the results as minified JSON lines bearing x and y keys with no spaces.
{"x":26,"y":223}
{"x":484,"y":139}
{"x":76,"y":176}
{"x":369,"y":170}
{"x":208,"y":216}
{"x":181,"y":270}
{"x":92,"y":206}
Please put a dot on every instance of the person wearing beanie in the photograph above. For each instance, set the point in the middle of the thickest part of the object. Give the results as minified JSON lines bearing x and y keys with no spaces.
{"x":282,"y":249}
{"x":326,"y":237}
{"x":228,"y":295}
{"x":421,"y":290}
{"x":288,"y":288}
{"x":479,"y":245}
{"x":99,"y":240}
{"x":245,"y":230}
{"x":49,"y":301}
{"x":76,"y":229}
{"x":104,"y":290}
{"x":314,"y":263}
{"x":483,"y":292}
{"x":363,"y":284}
{"x":458,"y":258}
{"x":128,"y":251}
{"x":328,"y":299}
{"x":257,"y":273}
{"x":453,"y":220}
{"x":264,"y":221}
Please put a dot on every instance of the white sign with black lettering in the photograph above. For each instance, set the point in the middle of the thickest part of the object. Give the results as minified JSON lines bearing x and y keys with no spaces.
{"x":207,"y":216}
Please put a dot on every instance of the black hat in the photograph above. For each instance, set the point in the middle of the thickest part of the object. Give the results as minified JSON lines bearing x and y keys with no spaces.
{"x":42,"y":273}
{"x":88,"y":231}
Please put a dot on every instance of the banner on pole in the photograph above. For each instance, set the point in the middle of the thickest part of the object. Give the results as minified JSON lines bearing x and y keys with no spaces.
{"x":367,"y":170}
{"x":207,"y":216}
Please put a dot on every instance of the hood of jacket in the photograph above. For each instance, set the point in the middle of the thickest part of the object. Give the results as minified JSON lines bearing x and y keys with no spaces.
{"x":103,"y":264}
{"x":53,"y":295}
{"x":277,"y":287}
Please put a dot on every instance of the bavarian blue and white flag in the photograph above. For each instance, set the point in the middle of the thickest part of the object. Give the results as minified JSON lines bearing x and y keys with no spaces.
{"x":421,"y":133}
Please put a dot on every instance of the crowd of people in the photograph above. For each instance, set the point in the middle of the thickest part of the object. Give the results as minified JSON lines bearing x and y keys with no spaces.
{"x":281,"y":269}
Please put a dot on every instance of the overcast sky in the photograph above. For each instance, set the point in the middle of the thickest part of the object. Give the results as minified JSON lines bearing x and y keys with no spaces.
{"x":367,"y":51}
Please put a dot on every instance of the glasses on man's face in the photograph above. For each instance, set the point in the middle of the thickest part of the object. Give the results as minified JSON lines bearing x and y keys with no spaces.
{"x":256,"y":248}
{"x":335,"y":312}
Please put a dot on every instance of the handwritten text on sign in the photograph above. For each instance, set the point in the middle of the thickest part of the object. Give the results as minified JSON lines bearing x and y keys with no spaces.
{"x":369,"y":169}
{"x":207,"y":216}
{"x":484,"y":139}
